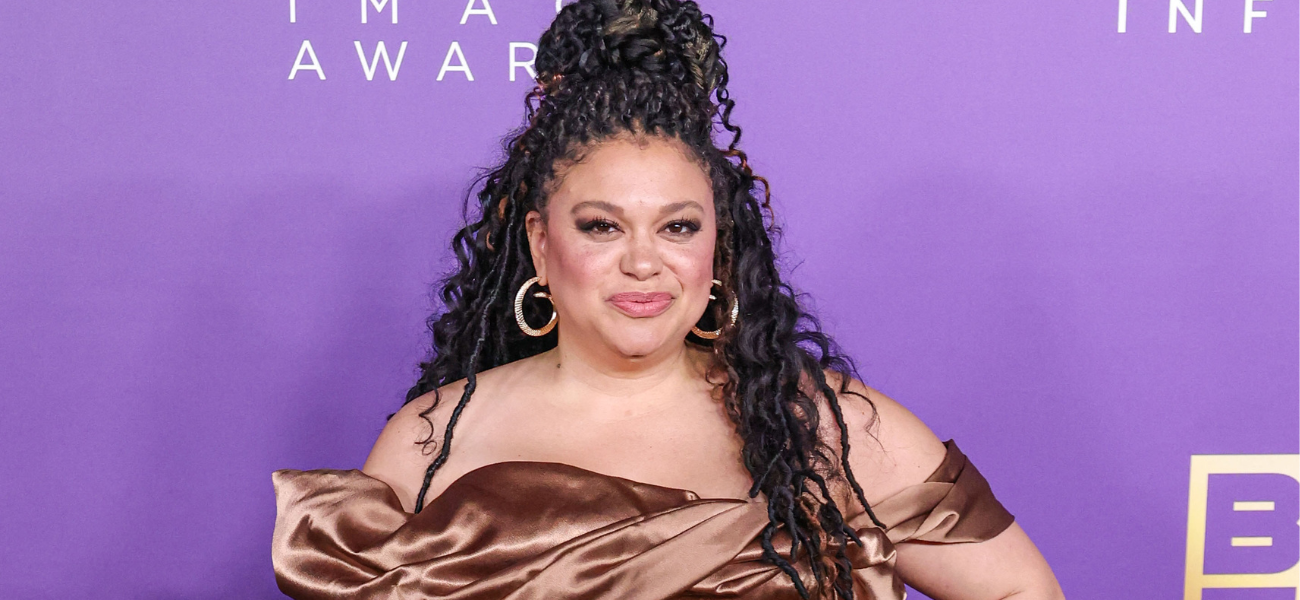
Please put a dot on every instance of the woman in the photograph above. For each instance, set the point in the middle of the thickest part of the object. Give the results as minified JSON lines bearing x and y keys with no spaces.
{"x":640,"y":407}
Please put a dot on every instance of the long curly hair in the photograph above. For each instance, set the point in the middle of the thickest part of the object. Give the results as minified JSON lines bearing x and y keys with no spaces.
{"x":610,"y":68}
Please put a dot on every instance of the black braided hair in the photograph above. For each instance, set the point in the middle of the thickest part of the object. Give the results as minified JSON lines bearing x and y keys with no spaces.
{"x":609,"y":68}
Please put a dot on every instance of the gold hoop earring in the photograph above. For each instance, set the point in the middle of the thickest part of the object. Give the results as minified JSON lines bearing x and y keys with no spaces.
{"x":519,"y":310}
{"x":735,"y":312}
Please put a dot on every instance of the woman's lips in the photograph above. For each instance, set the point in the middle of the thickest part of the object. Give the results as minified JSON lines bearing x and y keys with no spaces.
{"x":641,"y":304}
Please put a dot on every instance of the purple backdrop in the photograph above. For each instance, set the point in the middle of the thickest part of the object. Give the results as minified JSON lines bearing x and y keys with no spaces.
{"x":1072,"y":249}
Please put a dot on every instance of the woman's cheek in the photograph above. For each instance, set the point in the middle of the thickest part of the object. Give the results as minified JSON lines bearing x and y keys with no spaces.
{"x":580,"y":266}
{"x":694,"y":262}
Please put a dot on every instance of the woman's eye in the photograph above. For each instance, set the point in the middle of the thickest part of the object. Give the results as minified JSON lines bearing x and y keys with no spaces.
{"x":598,"y":226}
{"x":682,"y":227}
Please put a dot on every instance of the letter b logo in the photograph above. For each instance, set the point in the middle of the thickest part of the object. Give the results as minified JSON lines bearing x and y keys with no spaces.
{"x":1243,"y":526}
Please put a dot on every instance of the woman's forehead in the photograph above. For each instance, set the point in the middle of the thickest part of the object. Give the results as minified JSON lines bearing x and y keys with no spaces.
{"x":633,"y":173}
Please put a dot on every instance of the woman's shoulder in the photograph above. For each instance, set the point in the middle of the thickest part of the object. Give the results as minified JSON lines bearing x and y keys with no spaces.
{"x":399,"y":449}
{"x":413,"y":434}
{"x":890,"y":448}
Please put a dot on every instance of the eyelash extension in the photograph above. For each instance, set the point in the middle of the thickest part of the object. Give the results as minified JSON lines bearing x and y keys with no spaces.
{"x":594,"y":223}
{"x":690,"y":224}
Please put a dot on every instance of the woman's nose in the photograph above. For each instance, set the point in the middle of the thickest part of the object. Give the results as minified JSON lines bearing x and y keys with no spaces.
{"x":641,"y":260}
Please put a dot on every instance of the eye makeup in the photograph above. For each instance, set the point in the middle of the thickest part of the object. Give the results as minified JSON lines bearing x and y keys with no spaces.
{"x":683,"y":227}
{"x":601,"y":225}
{"x":596,"y":225}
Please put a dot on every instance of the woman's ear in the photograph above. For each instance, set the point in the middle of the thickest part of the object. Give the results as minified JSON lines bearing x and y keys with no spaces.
{"x":535,"y":225}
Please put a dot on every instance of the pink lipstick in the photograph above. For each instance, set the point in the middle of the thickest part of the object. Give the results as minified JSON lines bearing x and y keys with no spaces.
{"x":639,"y":305}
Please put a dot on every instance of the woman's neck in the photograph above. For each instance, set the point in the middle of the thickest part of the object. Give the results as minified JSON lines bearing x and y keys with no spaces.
{"x":597,"y":382}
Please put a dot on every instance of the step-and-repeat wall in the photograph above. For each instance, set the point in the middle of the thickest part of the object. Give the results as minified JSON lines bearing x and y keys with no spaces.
{"x":1062,"y":233}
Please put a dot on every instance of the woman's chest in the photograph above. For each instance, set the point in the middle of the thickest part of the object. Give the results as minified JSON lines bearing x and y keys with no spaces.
{"x":688,"y":450}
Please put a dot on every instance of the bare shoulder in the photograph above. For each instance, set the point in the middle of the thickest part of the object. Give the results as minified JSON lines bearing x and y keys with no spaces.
{"x":889,"y":447}
{"x":400,"y":454}
{"x":411,"y":439}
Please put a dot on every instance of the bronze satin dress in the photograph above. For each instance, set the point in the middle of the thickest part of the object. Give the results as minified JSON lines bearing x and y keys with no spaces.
{"x":525,"y":530}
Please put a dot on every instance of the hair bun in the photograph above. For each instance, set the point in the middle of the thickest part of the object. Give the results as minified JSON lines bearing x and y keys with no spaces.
{"x":665,"y":39}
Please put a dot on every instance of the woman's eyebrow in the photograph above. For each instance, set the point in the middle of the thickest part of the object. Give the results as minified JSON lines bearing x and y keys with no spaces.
{"x":618,"y":210}
{"x":601,"y":204}
{"x":676,"y":206}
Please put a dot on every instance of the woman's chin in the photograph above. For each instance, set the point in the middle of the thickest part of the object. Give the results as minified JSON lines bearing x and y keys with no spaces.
{"x":639,"y":342}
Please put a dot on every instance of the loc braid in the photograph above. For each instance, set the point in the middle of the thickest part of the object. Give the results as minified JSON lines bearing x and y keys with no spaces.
{"x":769,"y":550}
{"x":749,"y":172}
{"x":844,"y":463}
{"x":498,"y":275}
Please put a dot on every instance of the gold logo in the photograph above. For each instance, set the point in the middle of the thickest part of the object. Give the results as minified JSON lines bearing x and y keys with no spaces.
{"x":1203,"y":466}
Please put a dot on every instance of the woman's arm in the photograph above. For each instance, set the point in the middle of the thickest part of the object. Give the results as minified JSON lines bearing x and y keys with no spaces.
{"x":1007,"y":566}
{"x":904,"y":452}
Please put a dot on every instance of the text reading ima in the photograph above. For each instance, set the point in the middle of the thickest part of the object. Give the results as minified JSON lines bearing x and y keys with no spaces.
{"x":520,"y":55}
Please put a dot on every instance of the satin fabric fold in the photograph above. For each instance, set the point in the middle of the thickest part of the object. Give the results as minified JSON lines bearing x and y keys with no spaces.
{"x":524,"y":530}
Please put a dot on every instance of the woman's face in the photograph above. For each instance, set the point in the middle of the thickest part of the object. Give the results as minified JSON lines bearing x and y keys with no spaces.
{"x":627,"y":246}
